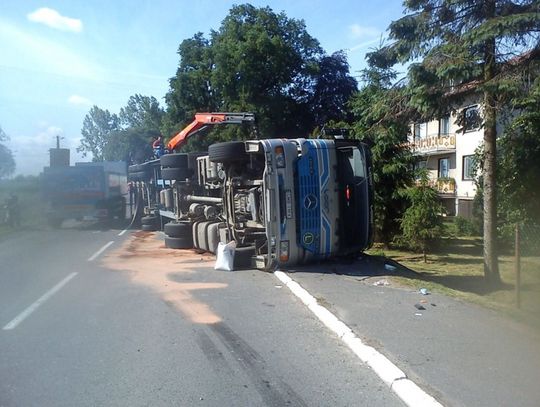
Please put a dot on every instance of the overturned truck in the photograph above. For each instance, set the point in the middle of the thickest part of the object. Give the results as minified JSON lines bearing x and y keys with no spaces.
{"x":283,"y":201}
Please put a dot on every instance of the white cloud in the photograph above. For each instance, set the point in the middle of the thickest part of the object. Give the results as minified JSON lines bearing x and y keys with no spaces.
{"x":359,"y":32}
{"x":25,"y":51}
{"x":54,"y":19}
{"x":79,"y":100}
{"x":364,"y":44}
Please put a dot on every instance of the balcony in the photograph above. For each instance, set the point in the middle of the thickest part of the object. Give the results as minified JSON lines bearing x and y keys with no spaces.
{"x":444,"y":186}
{"x":434,"y":144}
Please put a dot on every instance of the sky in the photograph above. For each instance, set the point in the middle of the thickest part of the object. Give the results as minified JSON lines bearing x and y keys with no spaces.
{"x":59,"y":58}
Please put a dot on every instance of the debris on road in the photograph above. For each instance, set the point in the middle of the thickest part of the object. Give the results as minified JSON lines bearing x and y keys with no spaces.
{"x":424,"y":291}
{"x":383,"y":282}
{"x":419,"y":307}
{"x":418,"y":314}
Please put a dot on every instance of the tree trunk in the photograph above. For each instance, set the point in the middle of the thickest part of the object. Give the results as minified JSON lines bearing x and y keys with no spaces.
{"x":491,"y":265}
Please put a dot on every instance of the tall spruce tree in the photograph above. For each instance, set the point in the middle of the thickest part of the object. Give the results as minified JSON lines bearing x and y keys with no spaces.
{"x":480,"y":45}
{"x":382,"y":118}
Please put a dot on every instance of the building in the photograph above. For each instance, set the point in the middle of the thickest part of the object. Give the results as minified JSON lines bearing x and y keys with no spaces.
{"x":447,"y":150}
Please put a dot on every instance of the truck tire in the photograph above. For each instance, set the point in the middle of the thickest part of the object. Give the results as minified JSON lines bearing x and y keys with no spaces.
{"x":176,"y":174}
{"x":149,"y":220}
{"x":231,"y":151}
{"x":148,"y":228}
{"x":185,"y":242}
{"x":177,"y":229}
{"x":179,"y":160}
{"x":242,"y":257}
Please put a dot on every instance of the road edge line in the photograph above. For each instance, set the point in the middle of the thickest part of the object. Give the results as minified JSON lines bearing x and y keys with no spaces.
{"x":408,"y":391}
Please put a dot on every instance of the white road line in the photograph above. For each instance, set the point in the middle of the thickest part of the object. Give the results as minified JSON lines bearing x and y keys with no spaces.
{"x":96,"y":254}
{"x":122,"y":232}
{"x":408,"y":391}
{"x":28,"y":311}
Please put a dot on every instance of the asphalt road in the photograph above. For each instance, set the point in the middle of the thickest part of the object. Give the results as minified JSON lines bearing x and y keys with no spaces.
{"x":136,"y":324}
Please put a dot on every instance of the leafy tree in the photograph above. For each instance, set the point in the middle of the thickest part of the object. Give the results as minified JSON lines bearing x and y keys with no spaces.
{"x":262,"y":62}
{"x":97,"y":128}
{"x":191,"y":89}
{"x":7,"y":162}
{"x":422,"y":222}
{"x":519,"y":167}
{"x":132,"y":145}
{"x":382,"y":121}
{"x":333,"y":89}
{"x":124,"y":137}
{"x":466,"y":44}
{"x":142,"y":112}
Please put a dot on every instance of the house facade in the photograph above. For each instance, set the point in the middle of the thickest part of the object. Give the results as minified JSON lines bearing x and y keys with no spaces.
{"x":447,"y":150}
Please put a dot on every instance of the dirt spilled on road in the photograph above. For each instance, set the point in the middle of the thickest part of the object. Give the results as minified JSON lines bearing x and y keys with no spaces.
{"x":151,"y":264}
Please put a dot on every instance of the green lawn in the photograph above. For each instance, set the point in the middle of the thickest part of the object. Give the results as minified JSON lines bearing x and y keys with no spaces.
{"x":456,"y":269}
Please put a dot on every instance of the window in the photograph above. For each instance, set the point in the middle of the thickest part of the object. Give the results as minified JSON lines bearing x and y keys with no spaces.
{"x":468,"y":167}
{"x":471,"y":119}
{"x":444,"y":126}
{"x":444,"y":167}
{"x":420,"y":130}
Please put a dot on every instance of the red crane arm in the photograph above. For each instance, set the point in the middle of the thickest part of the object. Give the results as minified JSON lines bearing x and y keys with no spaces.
{"x":203,"y":120}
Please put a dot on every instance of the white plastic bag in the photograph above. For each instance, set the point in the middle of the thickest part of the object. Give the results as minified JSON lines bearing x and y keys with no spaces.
{"x":225,"y":256}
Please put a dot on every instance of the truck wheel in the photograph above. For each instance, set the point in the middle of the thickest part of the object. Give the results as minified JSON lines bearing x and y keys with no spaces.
{"x":149,"y":220}
{"x":242,"y":257}
{"x":177,"y":229}
{"x":148,"y":228}
{"x":184,"y":242}
{"x":176,"y":174}
{"x":231,"y":151}
{"x":179,"y":160}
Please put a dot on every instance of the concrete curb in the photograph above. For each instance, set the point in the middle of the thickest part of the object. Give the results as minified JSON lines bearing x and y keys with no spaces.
{"x":408,"y":391}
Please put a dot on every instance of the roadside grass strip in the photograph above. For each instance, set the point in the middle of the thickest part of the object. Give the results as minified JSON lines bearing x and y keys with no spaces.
{"x":408,"y":391}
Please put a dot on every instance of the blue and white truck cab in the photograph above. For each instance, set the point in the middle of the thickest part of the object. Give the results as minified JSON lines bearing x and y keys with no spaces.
{"x":298,"y":200}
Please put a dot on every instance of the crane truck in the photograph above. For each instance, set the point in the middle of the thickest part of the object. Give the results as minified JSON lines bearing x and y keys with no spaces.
{"x":283,"y":201}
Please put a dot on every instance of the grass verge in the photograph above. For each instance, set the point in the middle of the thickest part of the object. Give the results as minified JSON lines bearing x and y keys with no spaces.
{"x":456,"y":270}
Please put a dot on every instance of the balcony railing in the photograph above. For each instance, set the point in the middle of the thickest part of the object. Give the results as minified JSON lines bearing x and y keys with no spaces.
{"x":433,"y":144}
{"x":444,"y":185}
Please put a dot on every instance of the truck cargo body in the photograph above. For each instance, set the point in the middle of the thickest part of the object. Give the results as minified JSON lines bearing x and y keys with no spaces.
{"x":86,"y":190}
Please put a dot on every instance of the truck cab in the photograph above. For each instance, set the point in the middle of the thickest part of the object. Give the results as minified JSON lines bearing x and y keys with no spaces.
{"x":299,"y":200}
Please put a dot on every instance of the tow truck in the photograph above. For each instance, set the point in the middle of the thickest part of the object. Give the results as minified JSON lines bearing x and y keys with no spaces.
{"x":283,"y":201}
